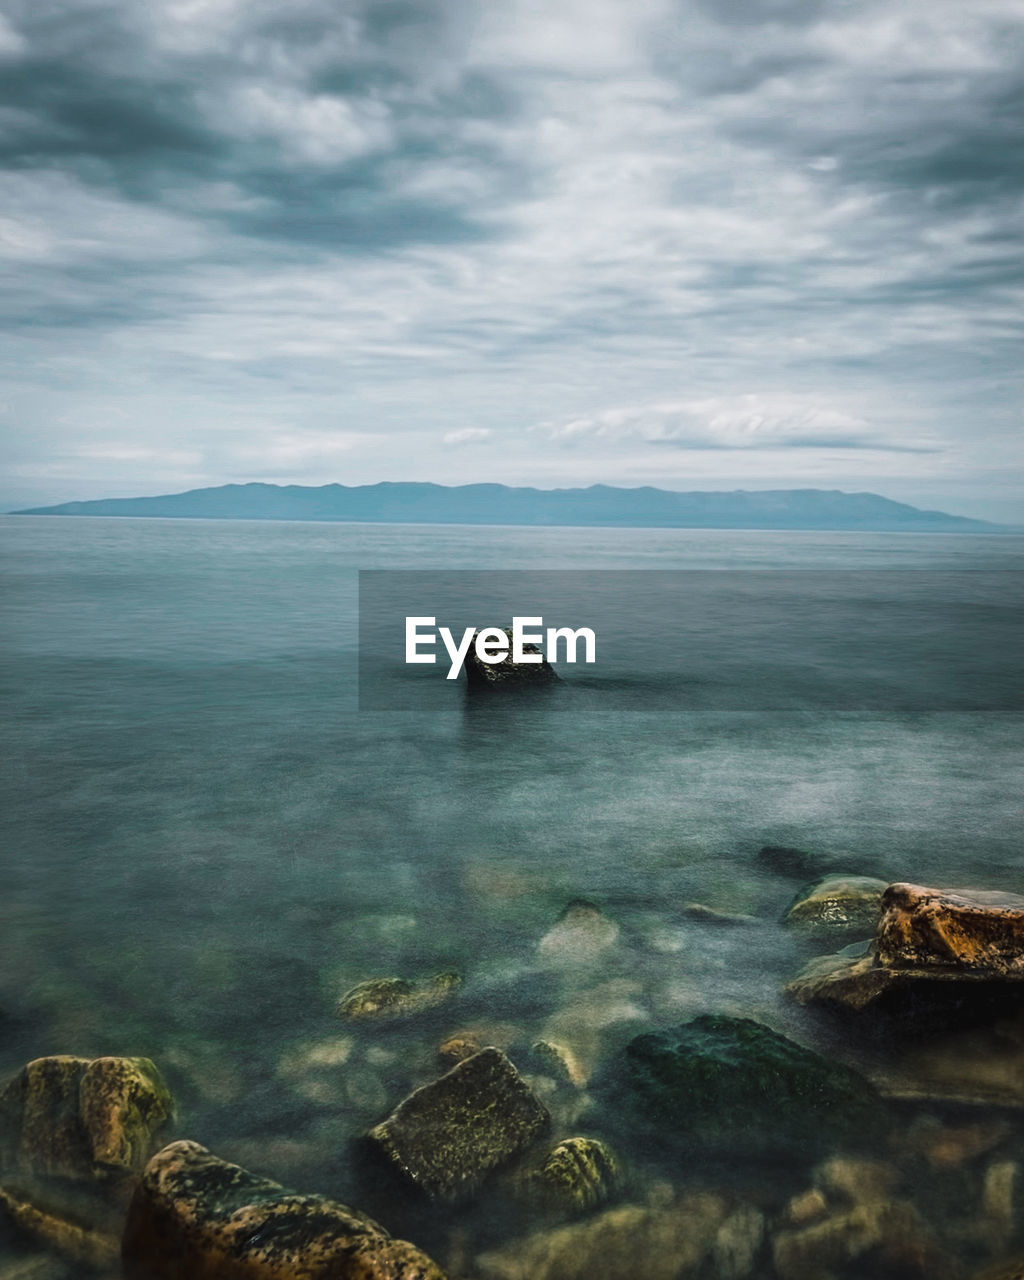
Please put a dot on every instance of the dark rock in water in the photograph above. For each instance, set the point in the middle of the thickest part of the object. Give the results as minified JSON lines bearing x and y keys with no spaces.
{"x":725,"y":1082}
{"x":796,"y":863}
{"x":384,"y":998}
{"x":934,"y":950}
{"x":507,"y":674}
{"x":82,"y":1118}
{"x":840,"y":907}
{"x":448,"y":1136}
{"x":933,"y":928}
{"x":195,"y":1215}
{"x":83,"y":1234}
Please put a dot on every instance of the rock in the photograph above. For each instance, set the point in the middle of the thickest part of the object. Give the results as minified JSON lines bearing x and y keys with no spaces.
{"x":448,"y":1136}
{"x":737,"y":1244}
{"x":728,"y":1082}
{"x":982,"y":1066}
{"x":582,"y":934}
{"x":794,"y":863}
{"x":964,"y":930}
{"x":629,"y":1242}
{"x":323,"y":1055}
{"x":82,"y":1245}
{"x":949,"y":1147}
{"x":82,"y":1118}
{"x":934,"y":949}
{"x":38,"y":1267}
{"x":579,"y":1027}
{"x":458,"y":1048}
{"x":709,"y":915}
{"x":507,"y":674}
{"x":560,"y":1062}
{"x":577,"y":1175}
{"x":861,"y":1222}
{"x":838,"y":907}
{"x":997,"y":1217}
{"x":383,"y":998}
{"x":195,"y":1215}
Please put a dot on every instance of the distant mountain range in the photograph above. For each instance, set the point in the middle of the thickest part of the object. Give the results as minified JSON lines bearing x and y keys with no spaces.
{"x":598,"y":506}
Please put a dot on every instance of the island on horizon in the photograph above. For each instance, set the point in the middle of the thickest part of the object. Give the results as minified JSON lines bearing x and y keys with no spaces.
{"x":497,"y":504}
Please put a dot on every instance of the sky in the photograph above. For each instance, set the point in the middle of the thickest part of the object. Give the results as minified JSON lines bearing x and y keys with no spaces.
{"x":702,"y":244}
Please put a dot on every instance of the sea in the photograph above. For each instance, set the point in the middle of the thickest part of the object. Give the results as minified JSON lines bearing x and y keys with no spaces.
{"x":207,"y":840}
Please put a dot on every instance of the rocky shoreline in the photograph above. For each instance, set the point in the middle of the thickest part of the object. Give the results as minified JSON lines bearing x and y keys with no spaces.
{"x":590,"y":1143}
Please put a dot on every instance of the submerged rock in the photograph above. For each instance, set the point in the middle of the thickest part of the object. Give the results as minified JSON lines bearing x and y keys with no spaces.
{"x":84,"y":1244}
{"x":838,"y":907}
{"x":448,"y":1136}
{"x":696,"y":1236}
{"x":731,"y":1082}
{"x":383,"y":998}
{"x":82,"y":1118}
{"x":581,"y":935}
{"x":198,"y":1216}
{"x":577,"y":1175}
{"x":507,"y":674}
{"x":711,"y":915}
{"x":856,"y":1220}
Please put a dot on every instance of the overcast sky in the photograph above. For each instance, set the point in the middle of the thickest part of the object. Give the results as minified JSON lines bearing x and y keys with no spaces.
{"x":694,"y":243}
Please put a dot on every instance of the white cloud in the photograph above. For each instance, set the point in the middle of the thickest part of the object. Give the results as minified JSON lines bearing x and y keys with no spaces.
{"x":467,"y":435}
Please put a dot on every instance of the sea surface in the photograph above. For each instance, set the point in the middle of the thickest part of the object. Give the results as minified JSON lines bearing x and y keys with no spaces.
{"x":206,"y":842}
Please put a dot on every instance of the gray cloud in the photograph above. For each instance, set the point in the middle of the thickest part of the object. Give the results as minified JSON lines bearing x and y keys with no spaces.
{"x":333,"y":241}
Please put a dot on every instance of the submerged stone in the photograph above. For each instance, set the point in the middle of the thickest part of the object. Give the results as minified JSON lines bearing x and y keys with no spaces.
{"x":581,"y":935}
{"x":731,"y":1082}
{"x":577,"y":1175}
{"x":698,"y":1236}
{"x":838,"y":907}
{"x":82,"y":1118}
{"x":449,"y":1136}
{"x":198,"y":1216}
{"x":383,"y":998}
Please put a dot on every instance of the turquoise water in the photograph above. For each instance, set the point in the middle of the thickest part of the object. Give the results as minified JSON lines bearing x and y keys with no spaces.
{"x":206,"y":843}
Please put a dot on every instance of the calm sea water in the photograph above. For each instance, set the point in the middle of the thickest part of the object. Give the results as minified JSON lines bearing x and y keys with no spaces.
{"x":205,"y":842}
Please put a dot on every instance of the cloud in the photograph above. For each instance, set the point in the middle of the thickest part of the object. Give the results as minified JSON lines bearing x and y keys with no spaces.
{"x":783,"y":234}
{"x":467,"y":435}
{"x":736,"y":422}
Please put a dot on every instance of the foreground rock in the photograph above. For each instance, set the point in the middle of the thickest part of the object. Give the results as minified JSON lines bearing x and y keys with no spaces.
{"x":731,"y":1082}
{"x":929,"y":943}
{"x":840,"y":907}
{"x":507,"y":674}
{"x":195,"y":1215}
{"x":384,"y":998}
{"x":82,"y":1118}
{"x":699,"y":1235}
{"x":448,"y":1136}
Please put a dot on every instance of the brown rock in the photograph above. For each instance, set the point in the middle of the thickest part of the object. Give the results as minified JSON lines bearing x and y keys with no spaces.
{"x":195,"y":1215}
{"x":933,"y":928}
{"x":79,"y":1244}
{"x":75,"y":1117}
{"x":448,"y":1136}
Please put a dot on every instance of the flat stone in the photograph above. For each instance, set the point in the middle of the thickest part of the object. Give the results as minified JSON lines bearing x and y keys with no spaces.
{"x":198,"y":1216}
{"x":380,"y":999}
{"x":448,"y":1136}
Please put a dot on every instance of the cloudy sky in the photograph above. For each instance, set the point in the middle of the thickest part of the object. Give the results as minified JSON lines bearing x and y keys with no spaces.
{"x":695,"y":243}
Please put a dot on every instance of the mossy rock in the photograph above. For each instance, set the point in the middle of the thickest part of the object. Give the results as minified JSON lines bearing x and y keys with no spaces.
{"x":838,"y":908}
{"x":380,"y":999}
{"x":578,"y":1174}
{"x":725,"y":1082}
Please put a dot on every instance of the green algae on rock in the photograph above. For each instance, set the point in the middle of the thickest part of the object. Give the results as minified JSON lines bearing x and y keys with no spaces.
{"x":82,"y":1118}
{"x":449,"y":1136}
{"x":198,"y":1216}
{"x":578,"y":1174}
{"x":383,"y":998}
{"x":726,"y":1082}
